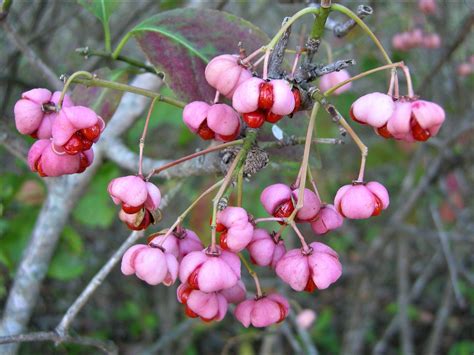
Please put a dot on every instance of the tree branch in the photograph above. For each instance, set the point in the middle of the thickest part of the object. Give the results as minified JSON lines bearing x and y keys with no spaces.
{"x":13,"y":144}
{"x":99,"y":278}
{"x":63,"y":193}
{"x":106,"y":346}
{"x":31,"y":56}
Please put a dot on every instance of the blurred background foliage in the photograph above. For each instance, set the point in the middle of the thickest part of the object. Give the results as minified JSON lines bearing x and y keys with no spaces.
{"x":135,"y":315}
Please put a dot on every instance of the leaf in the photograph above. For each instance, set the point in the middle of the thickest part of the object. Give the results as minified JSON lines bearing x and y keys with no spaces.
{"x":181,"y":42}
{"x":102,"y":9}
{"x":103,"y":101}
{"x":68,"y":261}
{"x":65,"y":266}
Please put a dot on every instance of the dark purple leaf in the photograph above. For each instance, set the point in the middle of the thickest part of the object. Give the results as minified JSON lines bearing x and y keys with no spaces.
{"x":181,"y":42}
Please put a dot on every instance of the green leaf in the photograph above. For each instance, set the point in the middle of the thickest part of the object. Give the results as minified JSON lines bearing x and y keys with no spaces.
{"x":96,"y":209}
{"x":102,"y":9}
{"x":69,"y":260}
{"x":180,"y":43}
{"x":65,"y":266}
{"x":103,"y":101}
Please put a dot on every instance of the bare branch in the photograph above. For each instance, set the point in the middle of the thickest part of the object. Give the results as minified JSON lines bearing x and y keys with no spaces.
{"x":32,"y":57}
{"x":403,"y":298}
{"x":415,"y":293}
{"x":62,"y":195}
{"x":106,"y":346}
{"x":99,"y":278}
{"x":450,"y":259}
{"x":444,"y":310}
{"x":13,"y":144}
{"x":463,"y":34}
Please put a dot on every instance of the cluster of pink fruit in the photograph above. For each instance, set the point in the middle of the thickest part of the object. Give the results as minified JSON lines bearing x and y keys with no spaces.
{"x":65,"y":132}
{"x":256,"y":99}
{"x":211,"y":277}
{"x":466,"y":68}
{"x":415,"y":38}
{"x":404,"y":118}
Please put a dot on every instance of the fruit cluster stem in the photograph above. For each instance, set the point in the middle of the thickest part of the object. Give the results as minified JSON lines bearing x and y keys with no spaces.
{"x":142,"y":138}
{"x":269,"y":219}
{"x":86,"y":51}
{"x":406,"y":71}
{"x":93,"y":81}
{"x":331,"y":90}
{"x":156,"y":171}
{"x":304,"y":164}
{"x":72,"y":78}
{"x":305,"y":245}
{"x":253,"y":274}
{"x":240,"y":186}
{"x":234,"y":169}
{"x":364,"y":151}
{"x":183,"y":215}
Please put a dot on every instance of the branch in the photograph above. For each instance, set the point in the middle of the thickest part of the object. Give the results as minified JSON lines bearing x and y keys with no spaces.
{"x":406,"y":334}
{"x":418,"y":287}
{"x":99,"y":278}
{"x":450,"y":259}
{"x":442,"y":316}
{"x":278,"y":54}
{"x":106,"y":346}
{"x":63,"y":193}
{"x":13,"y":143}
{"x":342,"y":29}
{"x":174,"y":334}
{"x":462,"y":35}
{"x":117,"y":152}
{"x":32,"y":57}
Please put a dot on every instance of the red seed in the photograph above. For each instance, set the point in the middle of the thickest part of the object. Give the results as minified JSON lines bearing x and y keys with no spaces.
{"x":91,"y":133}
{"x":354,"y":118}
{"x":74,"y":145}
{"x":265,"y":98}
{"x":83,"y":162}
{"x":86,"y":144}
{"x":231,"y":137}
{"x":39,"y":168}
{"x":143,"y":225}
{"x":378,"y":206}
{"x":223,"y":241}
{"x":310,"y":286}
{"x":339,"y":209}
{"x":193,"y":278}
{"x":183,"y":294}
{"x":190,"y":313}
{"x":207,"y":320}
{"x":419,"y":133}
{"x":284,"y":210}
{"x":131,"y":209}
{"x":297,"y":96}
{"x":273,"y":117}
{"x":254,"y":119}
{"x":282,"y":312}
{"x":383,"y":131}
{"x":205,"y":132}
{"x":34,"y":135}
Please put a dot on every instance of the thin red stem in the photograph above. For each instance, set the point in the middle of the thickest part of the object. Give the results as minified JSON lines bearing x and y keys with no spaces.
{"x":156,"y":171}
{"x":305,"y":246}
{"x":269,"y":219}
